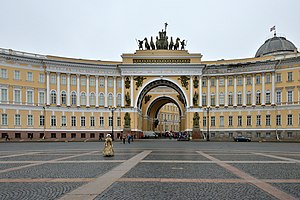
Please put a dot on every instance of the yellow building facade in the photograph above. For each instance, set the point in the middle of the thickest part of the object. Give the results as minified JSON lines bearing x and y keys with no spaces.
{"x":55,"y":98}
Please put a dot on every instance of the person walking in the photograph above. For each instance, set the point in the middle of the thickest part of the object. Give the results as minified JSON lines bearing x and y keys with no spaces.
{"x":129,"y":137}
{"x":124,"y":138}
{"x":108,"y":150}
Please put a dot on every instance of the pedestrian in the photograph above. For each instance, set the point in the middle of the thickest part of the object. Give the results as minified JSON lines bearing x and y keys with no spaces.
{"x":6,"y":137}
{"x":124,"y":139}
{"x":108,"y":147}
{"x":129,"y":137}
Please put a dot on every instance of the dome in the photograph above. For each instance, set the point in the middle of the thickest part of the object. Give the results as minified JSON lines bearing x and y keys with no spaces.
{"x":276,"y":45}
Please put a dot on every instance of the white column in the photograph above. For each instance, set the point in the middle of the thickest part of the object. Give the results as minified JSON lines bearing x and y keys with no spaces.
{"x":78,"y":90}
{"x":115,"y":91}
{"x":244,"y":90}
{"x":263,"y":89}
{"x":105,"y":91}
{"x":87,"y":90}
{"x":253,"y":90}
{"x":217,"y":91}
{"x":97,"y":91}
{"x":191,"y":91}
{"x":234,"y":92}
{"x":68,"y":90}
{"x":123,"y":92}
{"x":208,"y":91}
{"x":58,"y":88}
{"x":48,"y":89}
{"x":131,"y":91}
{"x":273,"y":88}
{"x":200,"y":91}
{"x":226,"y":92}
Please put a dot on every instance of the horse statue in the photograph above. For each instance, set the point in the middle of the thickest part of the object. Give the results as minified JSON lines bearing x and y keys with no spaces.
{"x":158,"y":46}
{"x":171,"y":45}
{"x":140,"y":44}
{"x":176,"y":46}
{"x":183,"y":44}
{"x":147,"y":46}
{"x":152,"y":44}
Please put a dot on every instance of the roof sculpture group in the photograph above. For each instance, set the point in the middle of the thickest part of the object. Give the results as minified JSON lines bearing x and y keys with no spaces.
{"x":161,"y":42}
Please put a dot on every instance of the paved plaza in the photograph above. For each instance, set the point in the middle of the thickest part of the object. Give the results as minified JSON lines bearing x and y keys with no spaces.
{"x":150,"y":169}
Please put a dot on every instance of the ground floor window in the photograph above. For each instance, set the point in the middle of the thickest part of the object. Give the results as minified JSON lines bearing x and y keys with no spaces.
{"x":73,"y":135}
{"x":290,"y":134}
{"x":92,"y":135}
{"x":230,"y":135}
{"x":82,"y":135}
{"x":3,"y":135}
{"x":63,"y":135}
{"x":42,"y":135}
{"x":53,"y":135}
{"x":17,"y":135}
{"x":268,"y":134}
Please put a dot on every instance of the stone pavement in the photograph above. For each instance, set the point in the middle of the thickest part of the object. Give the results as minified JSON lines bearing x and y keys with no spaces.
{"x":151,"y":169}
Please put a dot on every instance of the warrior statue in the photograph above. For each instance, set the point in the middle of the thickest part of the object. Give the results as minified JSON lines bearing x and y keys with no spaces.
{"x":140,"y":44}
{"x":183,"y":44}
{"x":147,"y":46}
{"x":152,"y":44}
{"x":176,"y":46}
{"x":171,"y":44}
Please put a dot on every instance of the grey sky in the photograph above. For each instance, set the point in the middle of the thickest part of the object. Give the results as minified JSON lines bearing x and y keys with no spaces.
{"x":104,"y":29}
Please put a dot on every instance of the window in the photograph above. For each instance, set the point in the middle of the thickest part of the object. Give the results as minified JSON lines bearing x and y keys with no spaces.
{"x":63,"y":97}
{"x":4,"y":95}
{"x":119,"y":99}
{"x":41,"y":97}
{"x":248,"y":81}
{"x":290,"y":120}
{"x":63,"y":135}
{"x":110,"y":99}
{"x":83,"y":81}
{"x":213,"y":121}
{"x":258,"y":97}
{"x":42,"y":78}
{"x":74,"y":80}
{"x":4,"y":121}
{"x":17,"y":96}
{"x":29,"y":97}
{"x":212,"y":100}
{"x":221,"y":98}
{"x":278,"y":97}
{"x":239,"y":98}
{"x":83,"y":99}
{"x":268,"y":134}
{"x":119,"y":83}
{"x":240,"y":121}
{"x":110,"y":82}
{"x":230,"y":120}
{"x":92,"y":121}
{"x":248,"y":98}
{"x":101,"y":82}
{"x":290,"y":96}
{"x":53,"y":120}
{"x":204,"y":121}
{"x":221,"y":120}
{"x":257,"y":79}
{"x":42,"y":120}
{"x":53,"y":78}
{"x":17,"y":135}
{"x":101,"y":121}
{"x":268,"y":78}
{"x":3,"y":73}
{"x":110,"y":121}
{"x":239,"y":81}
{"x":63,"y":80}
{"x":92,"y":81}
{"x":230,"y":81}
{"x":92,"y":135}
{"x":118,"y":121}
{"x":17,"y":75}
{"x":29,"y":76}
{"x":278,"y":77}
{"x":268,"y":97}
{"x":101,"y":103}
{"x":258,"y":134}
{"x":73,"y":135}
{"x":82,"y":121}
{"x":17,"y":120}
{"x":92,"y":99}
{"x":82,"y":135}
{"x":278,"y":120}
{"x":204,"y":99}
{"x":290,"y":76}
{"x":73,"y":98}
{"x":53,"y":135}
{"x":212,"y":82}
{"x":268,"y":120}
{"x":249,"y":120}
{"x":290,"y":134}
{"x":203,"y":82}
{"x":30,"y":120}
{"x":221,"y":81}
{"x":230,"y":103}
{"x":258,"y":120}
{"x":53,"y":97}
{"x":63,"y":121}
{"x":73,"y":121}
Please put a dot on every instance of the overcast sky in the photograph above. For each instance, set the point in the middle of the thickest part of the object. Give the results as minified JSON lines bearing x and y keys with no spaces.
{"x":104,"y":29}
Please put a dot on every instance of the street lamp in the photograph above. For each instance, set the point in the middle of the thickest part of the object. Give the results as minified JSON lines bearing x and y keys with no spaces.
{"x":112,"y":109}
{"x":207,"y":122}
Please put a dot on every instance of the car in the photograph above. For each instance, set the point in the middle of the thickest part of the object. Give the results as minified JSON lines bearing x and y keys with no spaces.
{"x":149,"y":134}
{"x":241,"y":139}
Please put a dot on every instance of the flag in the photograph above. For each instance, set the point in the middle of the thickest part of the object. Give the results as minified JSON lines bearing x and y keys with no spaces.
{"x":272,"y":29}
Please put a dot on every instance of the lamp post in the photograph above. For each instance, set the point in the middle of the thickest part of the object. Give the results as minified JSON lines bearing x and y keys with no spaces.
{"x":207,"y":121}
{"x":112,"y":109}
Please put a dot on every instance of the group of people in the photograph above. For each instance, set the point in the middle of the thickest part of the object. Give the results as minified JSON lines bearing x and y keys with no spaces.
{"x":108,"y":150}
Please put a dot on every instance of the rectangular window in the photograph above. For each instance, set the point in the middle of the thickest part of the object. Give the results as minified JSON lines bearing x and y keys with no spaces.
{"x":42,"y":78}
{"x":82,"y":121}
{"x":17,"y":75}
{"x":212,"y":82}
{"x":212,"y":100}
{"x":53,"y":135}
{"x":53,"y":120}
{"x":258,"y":120}
{"x":213,"y":121}
{"x":290,"y":134}
{"x":4,"y":121}
{"x":248,"y":98}
{"x":278,"y":77}
{"x":29,"y":76}
{"x":17,"y":96}
{"x":30,"y":120}
{"x":268,"y":97}
{"x":4,"y":97}
{"x":92,"y":121}
{"x":258,"y":135}
{"x":221,"y":81}
{"x":53,"y":79}
{"x":248,"y":80}
{"x":204,"y":121}
{"x":29,"y":97}
{"x":92,"y":135}
{"x":101,"y":82}
{"x":73,"y":121}
{"x":3,"y":73}
{"x":17,"y":135}
{"x":221,"y":120}
{"x":110,"y":82}
{"x":249,"y":120}
{"x":42,"y":120}
{"x":268,"y":120}
{"x":82,"y":135}
{"x":230,"y":120}
{"x":83,"y":81}
{"x":118,"y":121}
{"x":268,"y":78}
{"x":203,"y":82}
{"x":240,"y":121}
{"x":290,"y":96}
{"x":240,"y":80}
{"x":101,"y":121}
{"x":278,"y":97}
{"x":239,"y":96}
{"x":92,"y":81}
{"x":73,"y":80}
{"x":63,"y":135}
{"x":290,"y":76}
{"x":41,"y":97}
{"x":63,"y":121}
{"x":278,"y":120}
{"x":204,"y":100}
{"x":63,"y":80}
{"x":17,"y":120}
{"x":230,"y":81}
{"x":110,"y":121}
{"x":290,"y":120}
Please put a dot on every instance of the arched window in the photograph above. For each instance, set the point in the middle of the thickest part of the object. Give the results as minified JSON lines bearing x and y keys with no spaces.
{"x":239,"y":98}
{"x":92,"y":99}
{"x":110,"y":99}
{"x":53,"y":97}
{"x":101,"y":99}
{"x":83,"y":98}
{"x":258,"y":97}
{"x":63,"y":97}
{"x":73,"y":97}
{"x":119,"y":99}
{"x":222,"y":99}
